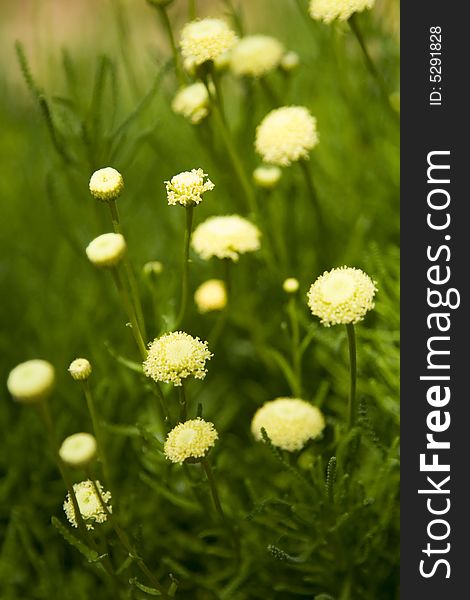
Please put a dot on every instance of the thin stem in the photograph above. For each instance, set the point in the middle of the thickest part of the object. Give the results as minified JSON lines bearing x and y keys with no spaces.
{"x":171,"y":38}
{"x":183,"y":404}
{"x":295,"y":344}
{"x":354,"y":25}
{"x":98,"y":431}
{"x":192,"y":9}
{"x":123,"y":538}
{"x":113,"y":209}
{"x":130,"y":311}
{"x":353,"y":375}
{"x":318,"y":214}
{"x":163,"y":404}
{"x":185,"y":275}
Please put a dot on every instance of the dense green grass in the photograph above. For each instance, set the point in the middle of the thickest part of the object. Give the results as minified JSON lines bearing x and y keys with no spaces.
{"x":303,"y":534}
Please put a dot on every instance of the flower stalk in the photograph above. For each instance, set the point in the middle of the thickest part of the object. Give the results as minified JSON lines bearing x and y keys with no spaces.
{"x":352,"y":374}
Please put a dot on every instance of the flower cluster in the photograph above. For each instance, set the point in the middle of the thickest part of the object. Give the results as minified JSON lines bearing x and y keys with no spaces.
{"x":225,"y":237}
{"x":192,"y":102}
{"x":187,"y":187}
{"x":329,"y":10}
{"x":288,"y":422}
{"x":106,"y":184}
{"x":211,"y":295}
{"x":206,"y":39}
{"x":256,"y":55}
{"x":190,"y":440}
{"x":176,"y":356}
{"x":80,"y":369}
{"x":342,"y":295}
{"x":286,"y":135}
{"x":31,"y":381}
{"x":89,"y":504}
{"x":106,"y":250}
{"x":78,"y":450}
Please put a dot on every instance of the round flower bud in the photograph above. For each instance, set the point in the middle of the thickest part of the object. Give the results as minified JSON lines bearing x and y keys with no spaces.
{"x":206,"y":39}
{"x":80,"y":369}
{"x":290,"y":61}
{"x":89,"y":504}
{"x":152,"y":268}
{"x":78,"y":450}
{"x":267,"y":177}
{"x":190,"y":440}
{"x":106,"y":184}
{"x":286,"y":135}
{"x":31,"y":381}
{"x":342,"y":295}
{"x":329,"y":10}
{"x":289,"y":423}
{"x":106,"y":250}
{"x":192,"y":102}
{"x":290,"y":285}
{"x":211,"y":295}
{"x":188,"y":187}
{"x":256,"y":55}
{"x":225,"y":237}
{"x":176,"y":356}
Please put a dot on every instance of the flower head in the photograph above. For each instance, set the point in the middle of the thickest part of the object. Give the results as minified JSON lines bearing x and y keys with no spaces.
{"x":289,"y":423}
{"x":256,"y":55}
{"x":267,"y":176}
{"x":192,"y":102}
{"x":329,"y":10}
{"x":106,"y":250}
{"x":290,"y":285}
{"x":153,"y":268}
{"x":191,"y":439}
{"x":31,"y":381}
{"x":286,"y":135}
{"x":225,"y":237}
{"x":175,"y":356}
{"x":89,"y":504}
{"x":187,"y":187}
{"x":80,"y":369}
{"x":206,"y":39}
{"x":342,"y":295}
{"x":290,"y":61}
{"x":211,"y":295}
{"x":78,"y":450}
{"x":106,"y":184}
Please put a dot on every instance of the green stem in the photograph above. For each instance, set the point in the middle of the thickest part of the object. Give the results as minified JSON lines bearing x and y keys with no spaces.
{"x":183,"y":404}
{"x":171,"y":38}
{"x":374,"y":72}
{"x":130,"y":311}
{"x":98,"y":431}
{"x":295,"y":345}
{"x":353,"y":375}
{"x":185,"y":274}
{"x":123,"y":538}
{"x":163,"y":404}
{"x":192,"y":10}
{"x":318,"y":214}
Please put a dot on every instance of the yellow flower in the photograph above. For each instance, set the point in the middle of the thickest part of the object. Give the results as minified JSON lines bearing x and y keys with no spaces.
{"x":286,"y":135}
{"x":78,"y":450}
{"x":187,"y":187}
{"x":342,"y":295}
{"x":31,"y":381}
{"x":191,"y":439}
{"x":106,"y":250}
{"x":267,"y":176}
{"x":225,"y":237}
{"x":205,"y":39}
{"x":211,"y":295}
{"x":290,"y":285}
{"x":80,"y":369}
{"x":106,"y":184}
{"x":289,"y":423}
{"x":176,"y":356}
{"x":290,"y":61}
{"x":192,"y":102}
{"x":153,"y":268}
{"x":329,"y":10}
{"x":256,"y":55}
{"x":89,"y":504}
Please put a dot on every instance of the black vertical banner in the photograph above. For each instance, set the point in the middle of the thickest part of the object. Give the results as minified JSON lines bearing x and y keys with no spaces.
{"x":435,"y":242}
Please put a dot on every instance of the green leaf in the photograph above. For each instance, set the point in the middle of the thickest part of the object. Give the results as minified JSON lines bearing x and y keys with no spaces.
{"x":88,"y":553}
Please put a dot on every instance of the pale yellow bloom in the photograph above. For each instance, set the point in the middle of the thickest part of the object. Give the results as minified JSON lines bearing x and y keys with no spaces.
{"x":89,"y":504}
{"x":267,"y":176}
{"x":206,"y":39}
{"x":288,"y":422}
{"x":152,"y":268}
{"x":192,"y":102}
{"x":176,"y":356}
{"x":190,"y":440}
{"x":106,"y":184}
{"x":187,"y":187}
{"x":80,"y":369}
{"x":78,"y":450}
{"x":256,"y":55}
{"x":290,"y":285}
{"x":329,"y":10}
{"x":286,"y":135}
{"x":106,"y":250}
{"x":225,"y":237}
{"x":290,"y":61}
{"x":211,"y":295}
{"x":342,"y":295}
{"x":31,"y":381}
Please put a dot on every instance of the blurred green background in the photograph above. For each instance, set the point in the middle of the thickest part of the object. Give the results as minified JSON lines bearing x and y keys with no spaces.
{"x":102,"y":74}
